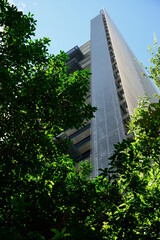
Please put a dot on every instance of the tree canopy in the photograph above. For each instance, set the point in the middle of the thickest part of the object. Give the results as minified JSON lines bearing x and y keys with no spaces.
{"x":38,"y":100}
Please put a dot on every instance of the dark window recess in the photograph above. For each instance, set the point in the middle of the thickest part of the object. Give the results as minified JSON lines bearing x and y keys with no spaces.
{"x":126,"y":121}
{"x":118,"y":84}
{"x":84,"y":141}
{"x":120,"y":96}
{"x":112,"y":60}
{"x":123,"y":110}
{"x":80,"y":131}
{"x":73,"y":66}
{"x":86,"y":154}
{"x":116,"y":73}
{"x":75,"y":53}
{"x":73,"y":152}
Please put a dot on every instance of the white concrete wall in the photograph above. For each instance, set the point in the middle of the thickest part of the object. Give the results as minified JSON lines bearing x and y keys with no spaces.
{"x":107,"y":126}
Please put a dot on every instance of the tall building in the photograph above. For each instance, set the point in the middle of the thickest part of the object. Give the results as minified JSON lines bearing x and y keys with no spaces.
{"x":116,"y":84}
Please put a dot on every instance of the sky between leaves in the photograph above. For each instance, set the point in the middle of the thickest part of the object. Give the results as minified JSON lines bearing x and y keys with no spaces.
{"x":67,"y":22}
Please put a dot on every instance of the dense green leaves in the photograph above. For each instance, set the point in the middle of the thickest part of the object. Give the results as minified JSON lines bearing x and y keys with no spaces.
{"x":137,"y":174}
{"x":155,"y":62}
{"x":38,"y":100}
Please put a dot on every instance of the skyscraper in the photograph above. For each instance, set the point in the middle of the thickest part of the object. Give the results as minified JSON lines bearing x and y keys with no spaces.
{"x":116,"y":84}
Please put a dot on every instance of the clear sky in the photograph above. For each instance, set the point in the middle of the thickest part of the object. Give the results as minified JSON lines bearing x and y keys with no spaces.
{"x":67,"y":22}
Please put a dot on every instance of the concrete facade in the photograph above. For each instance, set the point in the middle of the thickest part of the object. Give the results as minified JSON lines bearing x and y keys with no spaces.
{"x":107,"y":126}
{"x":116,"y":85}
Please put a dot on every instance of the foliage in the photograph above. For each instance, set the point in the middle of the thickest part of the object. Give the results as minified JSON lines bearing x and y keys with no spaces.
{"x":38,"y":100}
{"x":154,"y":70}
{"x":135,"y":169}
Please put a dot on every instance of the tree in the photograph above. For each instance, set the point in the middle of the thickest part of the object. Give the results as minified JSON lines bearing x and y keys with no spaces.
{"x":136,"y":172}
{"x":154,"y":70}
{"x":38,"y":100}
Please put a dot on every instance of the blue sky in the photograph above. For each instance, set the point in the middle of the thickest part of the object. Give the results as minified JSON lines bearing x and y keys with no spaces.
{"x":67,"y":22}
